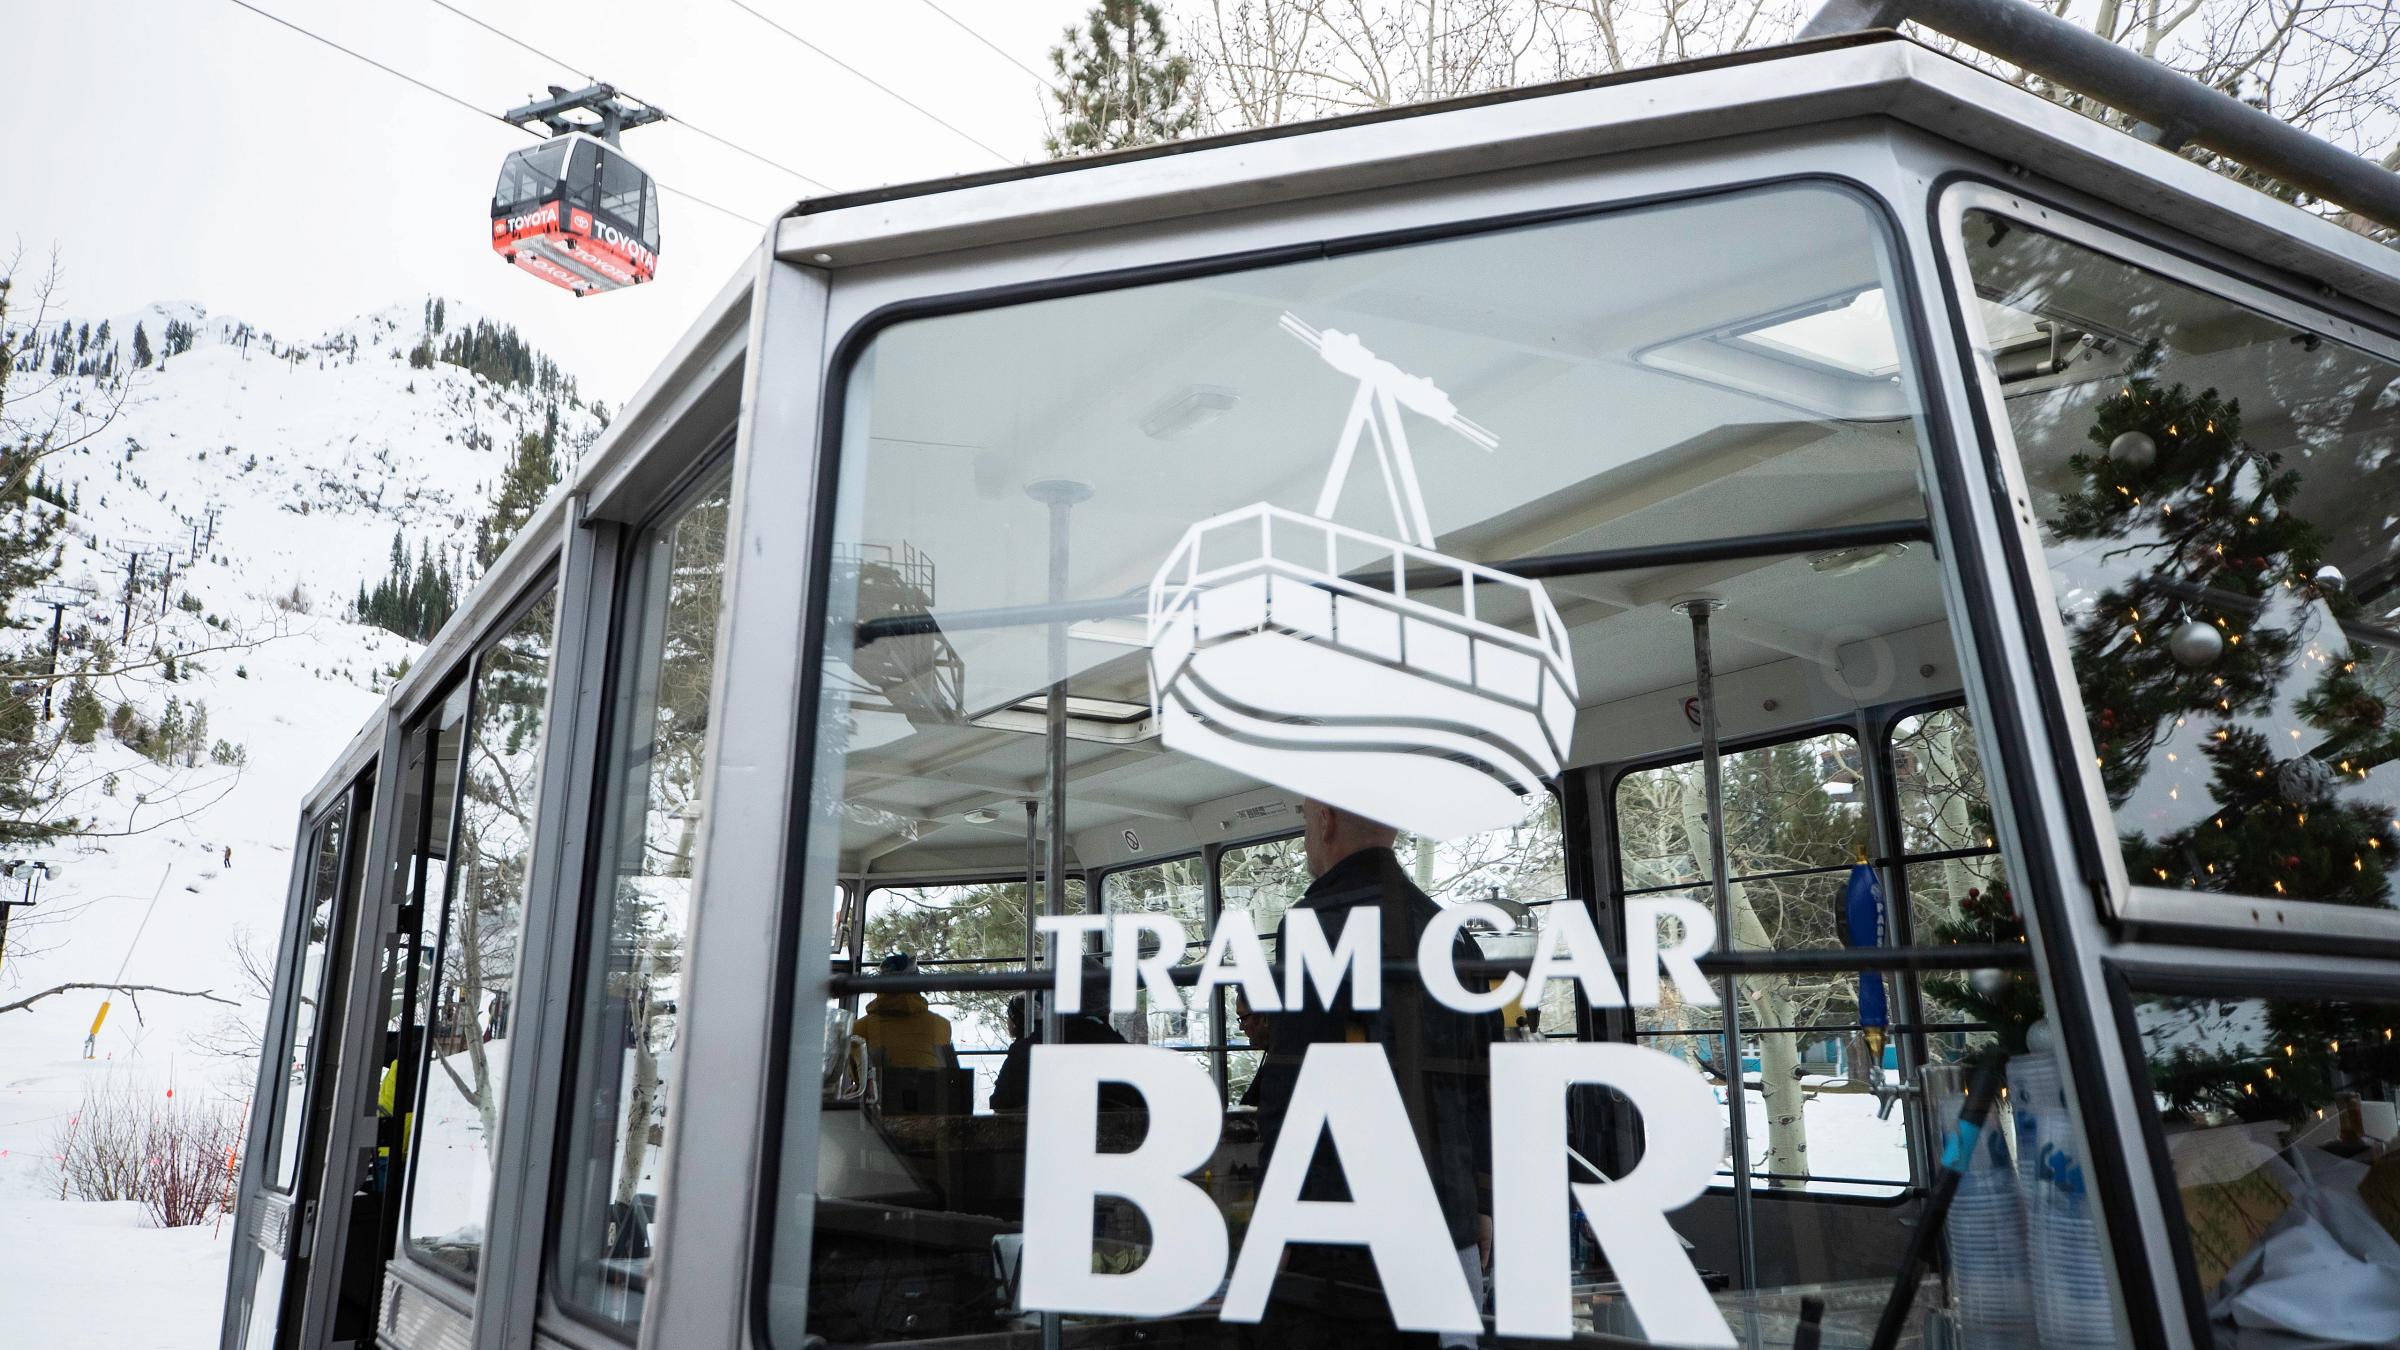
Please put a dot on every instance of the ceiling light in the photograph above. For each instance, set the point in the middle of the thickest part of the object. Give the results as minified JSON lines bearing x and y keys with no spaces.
{"x":981,"y":815}
{"x":1187,"y":410}
{"x":1844,"y":562}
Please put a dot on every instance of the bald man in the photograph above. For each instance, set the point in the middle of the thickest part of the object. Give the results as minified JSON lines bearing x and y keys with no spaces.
{"x":1439,"y":1059}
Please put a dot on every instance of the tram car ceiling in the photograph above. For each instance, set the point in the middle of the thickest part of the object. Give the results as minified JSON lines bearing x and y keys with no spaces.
{"x":578,"y":213}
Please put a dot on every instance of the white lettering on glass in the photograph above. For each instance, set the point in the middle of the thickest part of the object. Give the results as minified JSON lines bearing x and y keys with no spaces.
{"x":1680,"y":1138}
{"x":1065,"y":1171}
{"x":1347,"y":1092}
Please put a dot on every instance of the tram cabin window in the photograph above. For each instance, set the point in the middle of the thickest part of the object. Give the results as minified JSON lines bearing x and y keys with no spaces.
{"x":2277,"y":1114}
{"x":474,"y":993}
{"x":1126,"y":540}
{"x":641,"y":909}
{"x":528,"y":176}
{"x":324,"y":896}
{"x":2213,"y":488}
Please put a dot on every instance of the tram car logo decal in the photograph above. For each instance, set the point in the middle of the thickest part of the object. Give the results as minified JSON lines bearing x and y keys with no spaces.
{"x":1298,"y":651}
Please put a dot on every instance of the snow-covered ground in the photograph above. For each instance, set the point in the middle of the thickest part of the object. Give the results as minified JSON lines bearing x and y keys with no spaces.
{"x":309,"y":455}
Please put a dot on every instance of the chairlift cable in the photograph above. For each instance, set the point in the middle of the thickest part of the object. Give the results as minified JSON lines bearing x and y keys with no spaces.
{"x":687,"y":124}
{"x":1001,"y":51}
{"x":447,"y":96}
{"x":878,"y":84}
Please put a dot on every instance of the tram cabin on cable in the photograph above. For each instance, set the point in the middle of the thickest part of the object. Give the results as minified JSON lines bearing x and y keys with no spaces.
{"x":576,"y":210}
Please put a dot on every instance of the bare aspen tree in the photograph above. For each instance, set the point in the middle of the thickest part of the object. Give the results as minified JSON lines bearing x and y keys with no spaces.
{"x":2329,"y":67}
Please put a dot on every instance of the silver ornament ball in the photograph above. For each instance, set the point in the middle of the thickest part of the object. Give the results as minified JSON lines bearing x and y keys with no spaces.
{"x":2304,"y":781}
{"x":2329,"y":578}
{"x":1990,"y":981}
{"x":2194,"y":644}
{"x":2134,"y":450}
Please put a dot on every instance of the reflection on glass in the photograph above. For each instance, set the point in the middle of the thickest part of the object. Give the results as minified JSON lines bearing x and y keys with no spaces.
{"x":473,"y":999}
{"x":324,"y":891}
{"x":2213,"y":487}
{"x":2280,"y":1121}
{"x":1013,"y":481}
{"x":654,"y":813}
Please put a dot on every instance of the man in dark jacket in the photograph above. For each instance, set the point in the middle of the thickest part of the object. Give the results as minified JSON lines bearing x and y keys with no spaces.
{"x":1440,"y":1060}
{"x":1011,"y":1088}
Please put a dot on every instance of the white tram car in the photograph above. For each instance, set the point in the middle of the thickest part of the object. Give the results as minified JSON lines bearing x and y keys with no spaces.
{"x":1839,"y":477}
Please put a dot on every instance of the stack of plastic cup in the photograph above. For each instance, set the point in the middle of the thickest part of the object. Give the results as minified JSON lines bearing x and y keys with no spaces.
{"x":1990,"y":1286}
{"x":2071,"y":1303}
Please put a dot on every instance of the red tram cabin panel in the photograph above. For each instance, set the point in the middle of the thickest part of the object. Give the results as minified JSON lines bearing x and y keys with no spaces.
{"x":577,"y":213}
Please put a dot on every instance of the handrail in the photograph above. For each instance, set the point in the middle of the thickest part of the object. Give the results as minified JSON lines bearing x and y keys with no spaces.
{"x":2178,"y":108}
{"x":1803,"y":961}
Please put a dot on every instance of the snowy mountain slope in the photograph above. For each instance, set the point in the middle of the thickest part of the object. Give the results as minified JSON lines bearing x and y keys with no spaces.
{"x":275,"y":474}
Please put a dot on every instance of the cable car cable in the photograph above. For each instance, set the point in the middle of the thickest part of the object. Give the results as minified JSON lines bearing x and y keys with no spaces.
{"x":1003,"y":52}
{"x":919,"y":107}
{"x":687,"y":124}
{"x":446,"y":95}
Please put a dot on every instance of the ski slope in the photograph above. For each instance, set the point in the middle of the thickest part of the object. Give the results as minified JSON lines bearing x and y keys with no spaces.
{"x":308,"y":455}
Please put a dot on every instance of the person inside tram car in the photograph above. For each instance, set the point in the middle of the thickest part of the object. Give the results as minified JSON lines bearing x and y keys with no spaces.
{"x":1440,"y":1061}
{"x":1009,"y":1088}
{"x":900,"y":1030}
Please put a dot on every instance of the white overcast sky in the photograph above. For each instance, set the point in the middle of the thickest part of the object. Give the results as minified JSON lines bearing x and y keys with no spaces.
{"x":191,"y":150}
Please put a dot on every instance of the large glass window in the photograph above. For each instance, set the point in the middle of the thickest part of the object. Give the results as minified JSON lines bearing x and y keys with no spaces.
{"x":1796,"y":829}
{"x":308,"y":987}
{"x":959,"y":927}
{"x":475,"y":985}
{"x":1196,"y":549}
{"x":634,"y":977}
{"x":2213,"y":487}
{"x":2279,"y":1120}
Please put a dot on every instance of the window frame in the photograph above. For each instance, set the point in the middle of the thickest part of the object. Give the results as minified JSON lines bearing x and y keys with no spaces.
{"x":1870,"y":731}
{"x":545,"y":584}
{"x":2128,"y":977}
{"x":587,"y":908}
{"x":288,"y":972}
{"x":2198,"y":915}
{"x":1948,"y":498}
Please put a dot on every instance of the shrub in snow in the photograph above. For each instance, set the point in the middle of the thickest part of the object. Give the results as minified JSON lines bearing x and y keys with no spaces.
{"x":178,"y":1158}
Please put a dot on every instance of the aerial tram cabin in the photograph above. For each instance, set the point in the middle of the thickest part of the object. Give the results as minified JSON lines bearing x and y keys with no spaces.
{"x":577,"y":212}
{"x":1938,"y":539}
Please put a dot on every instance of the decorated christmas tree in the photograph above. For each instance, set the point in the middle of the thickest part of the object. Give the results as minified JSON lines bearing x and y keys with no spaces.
{"x":2218,"y":671}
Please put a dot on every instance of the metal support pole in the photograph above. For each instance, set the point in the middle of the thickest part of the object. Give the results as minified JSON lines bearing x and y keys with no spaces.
{"x":1060,"y":495}
{"x":2177,"y":108}
{"x":58,"y":616}
{"x":1712,"y":778}
{"x":1033,"y":900}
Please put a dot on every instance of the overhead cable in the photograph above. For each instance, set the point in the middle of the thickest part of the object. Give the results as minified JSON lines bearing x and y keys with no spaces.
{"x":961,"y":132}
{"x":686,"y":123}
{"x":1003,"y":52}
{"x":446,"y":95}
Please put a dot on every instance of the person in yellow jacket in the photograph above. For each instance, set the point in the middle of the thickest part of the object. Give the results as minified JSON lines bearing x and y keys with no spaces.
{"x":385,"y":1094}
{"x":900,"y":1031}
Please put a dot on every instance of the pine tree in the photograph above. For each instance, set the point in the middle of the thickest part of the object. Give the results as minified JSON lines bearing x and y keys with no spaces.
{"x":1120,"y":84}
{"x":141,"y":347}
{"x":531,"y":473}
{"x":84,"y":713}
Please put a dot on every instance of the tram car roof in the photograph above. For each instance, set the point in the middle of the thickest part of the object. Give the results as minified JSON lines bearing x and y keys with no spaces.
{"x":1875,"y":84}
